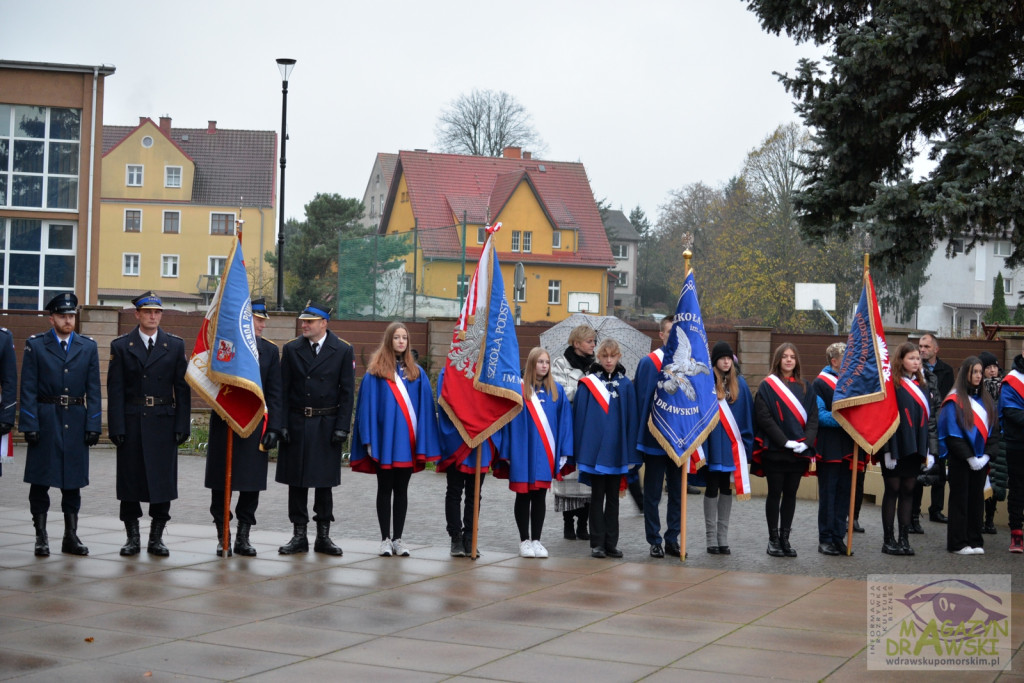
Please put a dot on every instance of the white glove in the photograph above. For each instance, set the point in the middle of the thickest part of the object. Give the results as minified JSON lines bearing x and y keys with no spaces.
{"x":977,"y":463}
{"x":890,"y":462}
{"x":800,"y":447}
{"x":561,"y":461}
{"x":791,"y":445}
{"x":929,"y":461}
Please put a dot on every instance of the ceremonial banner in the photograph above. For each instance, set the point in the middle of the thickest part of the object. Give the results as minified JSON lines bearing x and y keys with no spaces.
{"x":224,"y":368}
{"x":864,"y":402}
{"x":685,"y":406}
{"x":482,"y":386}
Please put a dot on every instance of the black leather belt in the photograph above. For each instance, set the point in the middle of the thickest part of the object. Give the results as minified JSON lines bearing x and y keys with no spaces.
{"x":315,"y":412}
{"x":63,"y":400}
{"x":150,"y":401}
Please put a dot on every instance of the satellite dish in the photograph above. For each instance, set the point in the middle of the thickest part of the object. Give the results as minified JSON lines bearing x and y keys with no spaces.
{"x":519,"y":282}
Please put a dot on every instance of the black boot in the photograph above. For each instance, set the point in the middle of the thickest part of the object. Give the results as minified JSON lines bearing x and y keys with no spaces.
{"x":131,"y":546}
{"x":457,"y":549}
{"x":904,"y":543}
{"x":889,"y":545}
{"x":71,"y":544}
{"x":774,"y":547}
{"x":299,"y":542}
{"x":787,"y":549}
{"x":467,"y":544}
{"x":323,"y":543}
{"x":220,"y":539}
{"x":156,"y":539}
{"x":569,"y":531}
{"x":582,"y":518}
{"x":242,"y":545}
{"x":915,"y":525}
{"x":42,"y":542}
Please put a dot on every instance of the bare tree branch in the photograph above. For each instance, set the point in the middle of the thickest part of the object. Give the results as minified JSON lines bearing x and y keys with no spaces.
{"x":484,"y":123}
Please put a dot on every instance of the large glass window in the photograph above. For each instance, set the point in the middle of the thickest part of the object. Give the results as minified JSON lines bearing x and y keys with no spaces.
{"x":37,"y":261}
{"x":39,"y":156}
{"x":222,"y":224}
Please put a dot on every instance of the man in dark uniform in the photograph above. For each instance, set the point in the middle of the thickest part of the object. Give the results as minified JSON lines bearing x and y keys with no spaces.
{"x":928,"y":346}
{"x":8,"y":386}
{"x":318,"y":376}
{"x":148,"y":410}
{"x":61,"y":418}
{"x":248,"y":461}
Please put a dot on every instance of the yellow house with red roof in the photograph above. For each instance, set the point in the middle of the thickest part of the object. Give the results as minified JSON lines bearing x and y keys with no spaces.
{"x":550,"y":224}
{"x":170,"y":202}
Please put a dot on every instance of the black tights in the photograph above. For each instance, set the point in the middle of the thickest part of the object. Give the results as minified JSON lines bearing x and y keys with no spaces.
{"x":717,"y":481}
{"x":780,"y":504}
{"x":529,"y":510}
{"x":901,"y":489}
{"x":392,"y":483}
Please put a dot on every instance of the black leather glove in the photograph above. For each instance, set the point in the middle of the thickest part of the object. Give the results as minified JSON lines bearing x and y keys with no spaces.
{"x":339,"y":437}
{"x":31,"y":438}
{"x":269,"y":440}
{"x":5,"y":428}
{"x":117,"y":439}
{"x":92,"y":438}
{"x":285,"y":436}
{"x":181,"y":437}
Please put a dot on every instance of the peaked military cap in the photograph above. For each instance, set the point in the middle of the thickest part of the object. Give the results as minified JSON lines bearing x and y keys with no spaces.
{"x":315,"y":311}
{"x":259,"y":308}
{"x":65,"y":302}
{"x":148,"y":300}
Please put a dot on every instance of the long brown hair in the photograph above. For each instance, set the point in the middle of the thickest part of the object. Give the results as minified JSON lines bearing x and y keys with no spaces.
{"x":777,"y":360}
{"x":726,"y":383}
{"x":530,"y":375}
{"x":383,"y":363}
{"x":963,"y":389}
{"x":902,"y":351}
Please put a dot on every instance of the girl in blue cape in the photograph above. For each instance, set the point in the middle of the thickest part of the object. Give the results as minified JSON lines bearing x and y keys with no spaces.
{"x":395,"y":431}
{"x":604,"y":441}
{"x":968,"y":430}
{"x":534,"y":446}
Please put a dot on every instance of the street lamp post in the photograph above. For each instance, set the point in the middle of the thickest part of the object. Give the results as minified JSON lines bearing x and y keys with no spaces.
{"x":286,"y":66}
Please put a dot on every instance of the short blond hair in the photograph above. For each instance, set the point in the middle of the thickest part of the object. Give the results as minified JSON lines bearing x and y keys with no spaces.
{"x":835,"y":351}
{"x":608,"y":347}
{"x":582,"y":333}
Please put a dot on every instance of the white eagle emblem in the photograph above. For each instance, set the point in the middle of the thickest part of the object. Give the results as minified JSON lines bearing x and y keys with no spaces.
{"x":683,"y":365}
{"x":466,"y":349}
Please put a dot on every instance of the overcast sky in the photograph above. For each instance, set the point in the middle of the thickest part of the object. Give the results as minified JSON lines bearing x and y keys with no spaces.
{"x":649,"y":95}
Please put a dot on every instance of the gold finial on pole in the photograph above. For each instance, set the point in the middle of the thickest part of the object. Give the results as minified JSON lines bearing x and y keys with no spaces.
{"x":687,"y":255}
{"x":867,"y":256}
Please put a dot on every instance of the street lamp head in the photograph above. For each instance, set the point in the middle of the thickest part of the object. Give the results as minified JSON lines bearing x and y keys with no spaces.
{"x":286,"y":66}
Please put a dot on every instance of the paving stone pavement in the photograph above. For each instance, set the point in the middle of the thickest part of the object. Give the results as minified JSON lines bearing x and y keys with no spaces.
{"x":193,"y":616}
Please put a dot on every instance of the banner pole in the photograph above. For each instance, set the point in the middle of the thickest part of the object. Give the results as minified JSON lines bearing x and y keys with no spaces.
{"x":226,"y":540}
{"x":853,"y":499}
{"x":682,"y":512}
{"x":476,"y":500}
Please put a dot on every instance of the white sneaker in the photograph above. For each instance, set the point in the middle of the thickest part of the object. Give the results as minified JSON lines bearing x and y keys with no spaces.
{"x":399,"y":547}
{"x":385,"y":548}
{"x":978,"y":551}
{"x":526,"y":549}
{"x":966,"y":550}
{"x":539,"y":550}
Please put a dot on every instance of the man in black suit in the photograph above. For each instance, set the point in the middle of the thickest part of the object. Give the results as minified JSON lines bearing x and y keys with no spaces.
{"x":148,"y":411}
{"x":318,"y":376}
{"x":928,"y":345}
{"x":60,"y":416}
{"x":248,"y":455}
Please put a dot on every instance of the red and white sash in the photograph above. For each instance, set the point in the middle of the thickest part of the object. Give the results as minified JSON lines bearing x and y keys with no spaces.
{"x":598,"y":390}
{"x":540,"y":421}
{"x":791,"y":401}
{"x":980,"y":416}
{"x":1016,"y":380}
{"x":401,"y":394}
{"x":829,"y":379}
{"x":918,"y":395}
{"x":739,"y":451}
{"x":657,"y":357}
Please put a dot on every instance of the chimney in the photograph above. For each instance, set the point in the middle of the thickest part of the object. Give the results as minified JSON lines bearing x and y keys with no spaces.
{"x":527,"y":155}
{"x":512,"y":153}
{"x":211,"y":127}
{"x":143,"y":119}
{"x":165,"y":125}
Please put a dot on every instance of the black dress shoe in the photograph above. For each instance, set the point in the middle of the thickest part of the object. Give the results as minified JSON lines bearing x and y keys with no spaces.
{"x":713,"y":550}
{"x":938,"y":517}
{"x":598,"y":552}
{"x":724,"y":550}
{"x":988,"y":528}
{"x":656,"y":550}
{"x":841,"y":547}
{"x":672,"y":549}
{"x":827,"y":549}
{"x":613,"y":552}
{"x":857,"y":528}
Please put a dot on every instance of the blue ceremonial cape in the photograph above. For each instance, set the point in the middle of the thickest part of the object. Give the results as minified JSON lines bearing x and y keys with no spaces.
{"x":718,"y":447}
{"x":381,"y":425}
{"x":684,"y":408}
{"x":455,"y":452}
{"x":605,"y":443}
{"x":645,"y":381}
{"x":523,"y":459}
{"x":949,"y":425}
